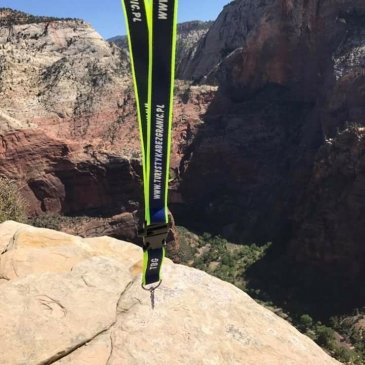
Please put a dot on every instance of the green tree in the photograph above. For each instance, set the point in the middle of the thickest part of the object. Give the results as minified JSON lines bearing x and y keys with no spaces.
{"x":305,"y":322}
{"x":325,"y":336}
{"x":12,"y":204}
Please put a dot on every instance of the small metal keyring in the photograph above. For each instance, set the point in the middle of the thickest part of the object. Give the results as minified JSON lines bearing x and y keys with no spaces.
{"x":153,"y":288}
{"x":152,"y":293}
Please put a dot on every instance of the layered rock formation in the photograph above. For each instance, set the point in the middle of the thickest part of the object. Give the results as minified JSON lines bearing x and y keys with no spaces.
{"x":55,"y":173}
{"x":57,"y":74}
{"x":68,"y":91}
{"x":67,"y":300}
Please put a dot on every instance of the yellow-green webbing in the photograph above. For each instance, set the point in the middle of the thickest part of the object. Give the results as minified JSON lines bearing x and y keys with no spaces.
{"x":137,"y":23}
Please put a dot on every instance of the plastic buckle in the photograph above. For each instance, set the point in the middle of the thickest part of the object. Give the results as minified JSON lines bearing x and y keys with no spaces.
{"x":154,"y":236}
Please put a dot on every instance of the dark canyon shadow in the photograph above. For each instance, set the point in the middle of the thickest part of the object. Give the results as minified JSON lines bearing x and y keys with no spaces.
{"x":280,"y":158}
{"x":247,"y":166}
{"x":247,"y":176}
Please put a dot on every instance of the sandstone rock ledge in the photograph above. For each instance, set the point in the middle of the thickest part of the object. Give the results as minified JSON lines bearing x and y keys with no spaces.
{"x":68,"y":300}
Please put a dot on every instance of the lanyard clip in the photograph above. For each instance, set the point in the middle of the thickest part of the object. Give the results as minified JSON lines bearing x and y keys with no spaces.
{"x":154,"y":236}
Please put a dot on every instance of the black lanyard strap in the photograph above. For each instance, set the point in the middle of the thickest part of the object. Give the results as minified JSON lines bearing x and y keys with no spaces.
{"x":151,"y":26}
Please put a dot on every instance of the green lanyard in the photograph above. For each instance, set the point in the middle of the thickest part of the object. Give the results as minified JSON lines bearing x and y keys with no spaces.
{"x":151,"y":27}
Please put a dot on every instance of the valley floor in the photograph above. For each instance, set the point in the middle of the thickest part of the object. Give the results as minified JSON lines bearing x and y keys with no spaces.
{"x":248,"y":267}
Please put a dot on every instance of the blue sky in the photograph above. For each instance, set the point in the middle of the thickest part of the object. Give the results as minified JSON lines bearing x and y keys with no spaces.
{"x":106,"y":15}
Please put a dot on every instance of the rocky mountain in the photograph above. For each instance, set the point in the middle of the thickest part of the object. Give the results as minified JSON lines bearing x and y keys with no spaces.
{"x":282,"y":144}
{"x":120,"y":40}
{"x":53,"y":285}
{"x":59,"y":69}
{"x":188,"y":36}
{"x":68,"y":123}
{"x":225,"y":35}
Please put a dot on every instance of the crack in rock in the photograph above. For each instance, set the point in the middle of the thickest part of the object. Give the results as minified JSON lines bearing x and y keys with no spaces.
{"x":66,"y":353}
{"x":111,"y":349}
{"x":53,"y":305}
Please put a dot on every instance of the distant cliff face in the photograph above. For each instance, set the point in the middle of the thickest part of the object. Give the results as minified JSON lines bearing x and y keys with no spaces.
{"x":57,"y":74}
{"x":228,"y":33}
{"x":291,"y":77}
{"x":188,"y":36}
{"x":281,"y":42}
{"x":329,"y":230}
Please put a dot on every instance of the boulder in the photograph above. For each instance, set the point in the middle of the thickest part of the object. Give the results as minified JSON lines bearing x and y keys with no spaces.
{"x":93,"y":311}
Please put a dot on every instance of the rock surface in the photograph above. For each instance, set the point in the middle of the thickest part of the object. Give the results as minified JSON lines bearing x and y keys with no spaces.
{"x":228,"y":33}
{"x":94,"y":311}
{"x":189,"y":34}
{"x":329,"y":229}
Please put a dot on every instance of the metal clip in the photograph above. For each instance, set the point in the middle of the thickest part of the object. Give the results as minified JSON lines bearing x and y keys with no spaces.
{"x":152,"y":292}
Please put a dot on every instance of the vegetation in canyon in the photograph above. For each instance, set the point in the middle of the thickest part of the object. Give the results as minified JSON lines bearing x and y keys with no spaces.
{"x":12,"y":17}
{"x":12,"y":204}
{"x":341,"y":336}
